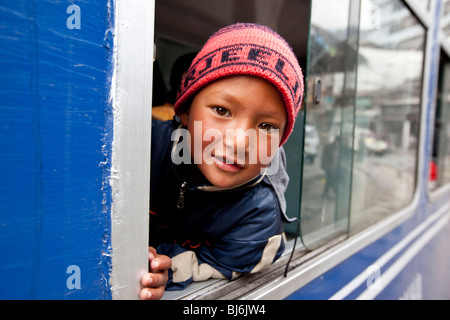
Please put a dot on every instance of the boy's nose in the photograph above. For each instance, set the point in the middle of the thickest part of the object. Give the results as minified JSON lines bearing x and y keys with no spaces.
{"x":238,"y":140}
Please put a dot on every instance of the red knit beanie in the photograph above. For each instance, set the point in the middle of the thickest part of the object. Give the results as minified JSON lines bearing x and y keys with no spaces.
{"x":247,"y":49}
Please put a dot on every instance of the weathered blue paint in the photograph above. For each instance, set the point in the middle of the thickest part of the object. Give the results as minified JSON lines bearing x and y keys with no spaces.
{"x":56,"y":128}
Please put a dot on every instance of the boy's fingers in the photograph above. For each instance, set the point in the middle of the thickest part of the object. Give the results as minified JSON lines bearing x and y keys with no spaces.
{"x":151,"y":253}
{"x":145,"y":294}
{"x":154,"y":280}
{"x":160,"y":263}
{"x":152,"y":294}
{"x":152,"y":250}
{"x":151,"y":256}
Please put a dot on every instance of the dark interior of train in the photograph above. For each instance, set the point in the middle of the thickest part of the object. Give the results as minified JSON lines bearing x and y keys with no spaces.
{"x":183,"y":26}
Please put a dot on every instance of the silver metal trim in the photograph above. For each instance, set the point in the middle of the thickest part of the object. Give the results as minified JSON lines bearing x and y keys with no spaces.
{"x":130,"y":170}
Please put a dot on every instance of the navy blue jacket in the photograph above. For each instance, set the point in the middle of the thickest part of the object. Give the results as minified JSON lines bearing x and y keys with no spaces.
{"x":210,"y":232}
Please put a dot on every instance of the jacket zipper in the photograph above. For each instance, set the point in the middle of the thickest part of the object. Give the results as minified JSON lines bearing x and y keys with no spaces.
{"x":180,"y":203}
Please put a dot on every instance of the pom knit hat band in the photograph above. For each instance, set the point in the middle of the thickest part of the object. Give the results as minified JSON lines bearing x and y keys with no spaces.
{"x":247,"y":49}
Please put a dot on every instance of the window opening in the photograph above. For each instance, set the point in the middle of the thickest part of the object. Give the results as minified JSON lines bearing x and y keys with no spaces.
{"x":183,"y":26}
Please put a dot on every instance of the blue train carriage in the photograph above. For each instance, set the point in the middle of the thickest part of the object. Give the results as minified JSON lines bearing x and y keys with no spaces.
{"x":71,"y":99}
{"x":368,"y":164}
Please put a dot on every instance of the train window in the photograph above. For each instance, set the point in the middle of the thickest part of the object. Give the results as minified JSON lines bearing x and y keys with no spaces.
{"x":439,"y":170}
{"x":388,"y":100}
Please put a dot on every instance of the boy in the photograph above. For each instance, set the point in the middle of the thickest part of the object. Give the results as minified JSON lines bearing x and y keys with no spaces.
{"x":215,"y":210}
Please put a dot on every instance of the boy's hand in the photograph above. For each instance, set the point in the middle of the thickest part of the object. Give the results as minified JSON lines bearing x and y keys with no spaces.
{"x":154,"y":282}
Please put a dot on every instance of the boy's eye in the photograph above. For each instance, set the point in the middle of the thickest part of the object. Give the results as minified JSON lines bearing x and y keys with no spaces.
{"x":221,"y":111}
{"x":267,"y":127}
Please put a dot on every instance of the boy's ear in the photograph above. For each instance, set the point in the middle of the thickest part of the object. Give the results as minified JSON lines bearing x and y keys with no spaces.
{"x":184,"y":117}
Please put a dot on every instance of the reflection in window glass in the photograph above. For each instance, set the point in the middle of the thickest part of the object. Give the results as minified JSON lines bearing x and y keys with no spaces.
{"x":424,"y":5}
{"x":440,"y":159}
{"x":387,"y":112}
{"x":445,"y":23}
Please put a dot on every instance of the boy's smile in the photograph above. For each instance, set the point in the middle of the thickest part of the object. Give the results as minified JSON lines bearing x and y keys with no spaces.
{"x":226,"y":164}
{"x":242,"y":121}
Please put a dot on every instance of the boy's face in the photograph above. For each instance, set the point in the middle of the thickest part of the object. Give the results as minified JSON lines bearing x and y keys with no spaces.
{"x":239,"y":122}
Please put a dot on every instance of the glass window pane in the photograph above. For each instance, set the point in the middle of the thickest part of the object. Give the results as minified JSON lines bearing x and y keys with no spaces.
{"x":440,"y":159}
{"x":388,"y":102}
{"x":329,"y":118}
